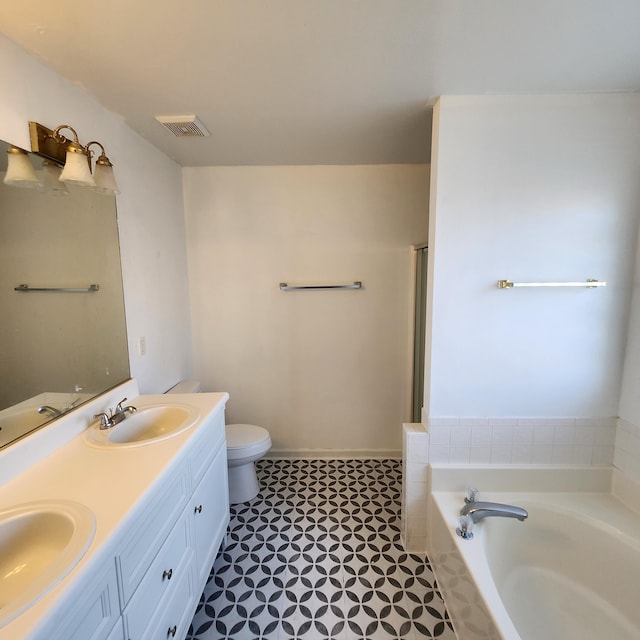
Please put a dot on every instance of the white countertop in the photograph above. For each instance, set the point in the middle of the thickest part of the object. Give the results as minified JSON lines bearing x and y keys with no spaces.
{"x":57,"y":463}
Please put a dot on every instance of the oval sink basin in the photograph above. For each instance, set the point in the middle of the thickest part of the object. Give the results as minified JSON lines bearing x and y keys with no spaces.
{"x":40,"y":543}
{"x":149,"y":424}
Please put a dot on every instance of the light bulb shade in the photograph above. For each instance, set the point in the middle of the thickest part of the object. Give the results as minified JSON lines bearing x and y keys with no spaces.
{"x":20,"y":171}
{"x":76,"y":170}
{"x":105,"y":180}
{"x":51,"y":180}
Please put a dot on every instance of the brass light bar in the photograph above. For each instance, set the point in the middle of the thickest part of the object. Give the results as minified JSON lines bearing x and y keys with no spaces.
{"x":46,"y":144}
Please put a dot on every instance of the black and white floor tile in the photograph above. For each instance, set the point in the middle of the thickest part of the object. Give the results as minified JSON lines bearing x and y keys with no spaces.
{"x":317,"y":556}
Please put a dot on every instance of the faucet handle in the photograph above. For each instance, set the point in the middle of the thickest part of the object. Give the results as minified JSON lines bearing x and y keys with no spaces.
{"x":119,"y":405}
{"x":465,"y":527}
{"x":105,"y":420}
{"x":472,"y":495}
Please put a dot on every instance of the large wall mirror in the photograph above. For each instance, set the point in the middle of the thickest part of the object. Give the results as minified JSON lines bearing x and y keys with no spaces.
{"x":60,"y":348}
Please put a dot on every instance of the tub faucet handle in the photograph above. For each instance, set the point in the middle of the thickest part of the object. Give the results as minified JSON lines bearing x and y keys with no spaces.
{"x":473,"y":495}
{"x":465,"y":527}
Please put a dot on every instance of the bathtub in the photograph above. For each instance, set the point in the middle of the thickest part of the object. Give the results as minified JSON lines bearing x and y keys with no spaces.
{"x":568,"y":572}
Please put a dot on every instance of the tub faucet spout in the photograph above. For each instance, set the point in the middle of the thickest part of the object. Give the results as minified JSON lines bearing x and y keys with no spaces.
{"x":480,"y":510}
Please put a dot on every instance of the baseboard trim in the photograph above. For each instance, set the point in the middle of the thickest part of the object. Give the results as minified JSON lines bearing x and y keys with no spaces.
{"x":335,"y":454}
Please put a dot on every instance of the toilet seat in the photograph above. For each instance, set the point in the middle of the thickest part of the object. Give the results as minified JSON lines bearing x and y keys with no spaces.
{"x":245,"y":440}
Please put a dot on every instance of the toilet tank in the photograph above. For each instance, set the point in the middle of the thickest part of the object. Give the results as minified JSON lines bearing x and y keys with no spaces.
{"x":186,"y":386}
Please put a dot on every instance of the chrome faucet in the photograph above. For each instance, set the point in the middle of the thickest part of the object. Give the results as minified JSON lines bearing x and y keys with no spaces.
{"x":52,"y":412}
{"x":120,"y":410}
{"x":476,"y":510}
{"x":480,"y":510}
{"x":112,"y":418}
{"x":72,"y":405}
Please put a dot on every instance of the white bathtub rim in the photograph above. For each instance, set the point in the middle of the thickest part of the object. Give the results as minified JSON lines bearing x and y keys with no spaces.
{"x":625,"y":528}
{"x":621,"y":524}
{"x":626,"y":489}
{"x":472,"y":554}
{"x":529,"y":479}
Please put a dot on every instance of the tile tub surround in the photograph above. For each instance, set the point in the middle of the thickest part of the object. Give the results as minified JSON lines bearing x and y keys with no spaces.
{"x":626,"y":457}
{"x":520,"y":442}
{"x":317,"y":555}
{"x":415,"y":487}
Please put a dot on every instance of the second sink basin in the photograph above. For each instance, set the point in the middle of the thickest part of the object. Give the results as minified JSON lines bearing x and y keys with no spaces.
{"x":149,"y":424}
{"x":39,"y":544}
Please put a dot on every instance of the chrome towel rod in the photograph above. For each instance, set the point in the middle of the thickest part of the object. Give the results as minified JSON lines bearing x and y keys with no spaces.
{"x":316,"y":287}
{"x":589,"y":284}
{"x":92,"y":288}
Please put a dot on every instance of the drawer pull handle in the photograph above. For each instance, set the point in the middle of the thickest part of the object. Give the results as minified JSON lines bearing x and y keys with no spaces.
{"x":198,"y":509}
{"x":167,"y":574}
{"x":172,"y":631}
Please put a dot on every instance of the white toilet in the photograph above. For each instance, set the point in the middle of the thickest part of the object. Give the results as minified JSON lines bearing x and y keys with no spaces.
{"x":246,"y":443}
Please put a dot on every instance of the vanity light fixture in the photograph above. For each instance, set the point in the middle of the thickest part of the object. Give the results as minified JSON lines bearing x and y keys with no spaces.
{"x":51,"y":179}
{"x":77,"y":166}
{"x":103,"y":172}
{"x":75,"y":157}
{"x":20,"y":171}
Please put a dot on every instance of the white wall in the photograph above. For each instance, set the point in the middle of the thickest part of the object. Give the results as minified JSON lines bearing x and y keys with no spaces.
{"x":320,"y":370}
{"x":627,"y":451}
{"x":528,"y":188}
{"x":630,"y":396}
{"x":150,"y":216}
{"x":531,"y":188}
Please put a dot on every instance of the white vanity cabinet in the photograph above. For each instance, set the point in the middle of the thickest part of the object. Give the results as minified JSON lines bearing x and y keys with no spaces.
{"x":161,"y":510}
{"x":165,"y":552}
{"x":163,"y":574}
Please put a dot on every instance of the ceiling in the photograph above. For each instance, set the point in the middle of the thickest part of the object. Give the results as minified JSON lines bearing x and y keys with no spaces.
{"x":321,"y":81}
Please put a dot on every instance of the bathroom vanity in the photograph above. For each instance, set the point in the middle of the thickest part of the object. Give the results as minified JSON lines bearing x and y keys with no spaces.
{"x":126,"y":521}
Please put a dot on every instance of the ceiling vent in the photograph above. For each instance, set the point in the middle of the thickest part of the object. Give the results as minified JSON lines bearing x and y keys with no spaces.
{"x":184,"y":126}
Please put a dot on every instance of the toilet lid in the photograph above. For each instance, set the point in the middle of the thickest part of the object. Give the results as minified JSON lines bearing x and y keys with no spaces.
{"x":244,"y":435}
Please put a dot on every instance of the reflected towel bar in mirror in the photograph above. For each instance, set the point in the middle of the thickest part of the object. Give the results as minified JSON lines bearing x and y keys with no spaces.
{"x":589,"y":284}
{"x":285,"y":287}
{"x":92,"y":288}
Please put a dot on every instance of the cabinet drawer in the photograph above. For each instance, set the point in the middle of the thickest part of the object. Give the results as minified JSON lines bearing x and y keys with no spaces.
{"x":149,"y":532}
{"x":208,"y":443}
{"x":173,"y":560}
{"x":175,"y":611}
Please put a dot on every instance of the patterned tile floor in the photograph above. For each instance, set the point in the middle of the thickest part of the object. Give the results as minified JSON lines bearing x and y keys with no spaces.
{"x":317,"y":555}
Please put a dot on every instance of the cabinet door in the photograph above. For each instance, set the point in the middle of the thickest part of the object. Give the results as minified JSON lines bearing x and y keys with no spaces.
{"x":94,"y":612}
{"x":210,"y":508}
{"x":206,"y":445}
{"x":117,"y":633}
